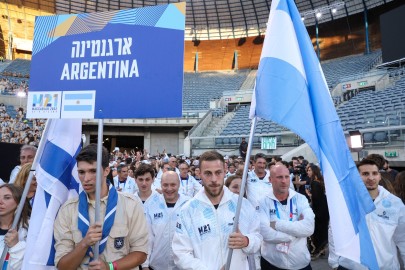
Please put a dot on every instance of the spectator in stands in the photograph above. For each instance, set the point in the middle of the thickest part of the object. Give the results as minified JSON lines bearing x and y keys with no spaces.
{"x":188,"y":185}
{"x":316,"y":193}
{"x":202,"y":240}
{"x":386,"y":223}
{"x":286,"y":220}
{"x":21,"y":180}
{"x":161,"y":215}
{"x":399,"y":186}
{"x":392,"y":173}
{"x":27,"y":155}
{"x":243,"y":148}
{"x":15,"y":240}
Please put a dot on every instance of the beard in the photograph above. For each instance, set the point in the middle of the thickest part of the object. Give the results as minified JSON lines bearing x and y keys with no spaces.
{"x":212,"y":192}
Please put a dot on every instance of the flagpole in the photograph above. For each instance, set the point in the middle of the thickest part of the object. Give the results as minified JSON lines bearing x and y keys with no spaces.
{"x":242,"y":188}
{"x":98,"y":182}
{"x":27,"y":186}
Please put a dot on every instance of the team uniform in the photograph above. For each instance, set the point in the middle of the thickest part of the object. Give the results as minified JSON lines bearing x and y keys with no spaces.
{"x":286,"y":247}
{"x":201,"y":238}
{"x":189,"y":186}
{"x":162,"y":225}
{"x":127,"y":186}
{"x":386,"y":225}
{"x":15,"y":255}
{"x":129,"y":232}
{"x":257,"y":188}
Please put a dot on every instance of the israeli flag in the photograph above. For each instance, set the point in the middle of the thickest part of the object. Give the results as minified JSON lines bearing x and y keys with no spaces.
{"x":57,"y":179}
{"x":291,"y":90}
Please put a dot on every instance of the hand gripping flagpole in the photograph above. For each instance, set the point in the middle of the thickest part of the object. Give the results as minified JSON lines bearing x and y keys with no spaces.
{"x":27,"y":186}
{"x":98,"y":182}
{"x":242,"y":188}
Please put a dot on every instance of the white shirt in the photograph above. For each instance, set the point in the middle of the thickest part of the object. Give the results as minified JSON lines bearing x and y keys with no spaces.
{"x":386,"y":225}
{"x":294,"y":223}
{"x":129,"y":186}
{"x":162,"y":225}
{"x":189,"y":187}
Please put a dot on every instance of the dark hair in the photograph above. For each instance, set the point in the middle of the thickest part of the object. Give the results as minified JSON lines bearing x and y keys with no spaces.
{"x":229,"y":180}
{"x":119,"y":168}
{"x":144,"y":169}
{"x":17,"y":192}
{"x":399,"y":185}
{"x":379,"y":160}
{"x":367,"y":161}
{"x":184,"y":163}
{"x":231,"y":164}
{"x":386,"y":183}
{"x":317,"y":175}
{"x":211,"y":156}
{"x":89,"y":154}
{"x":259,"y":155}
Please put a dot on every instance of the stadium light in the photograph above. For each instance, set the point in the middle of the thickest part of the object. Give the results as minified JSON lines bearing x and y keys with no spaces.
{"x":334,"y":7}
{"x":318,"y":15}
{"x":356,"y":140}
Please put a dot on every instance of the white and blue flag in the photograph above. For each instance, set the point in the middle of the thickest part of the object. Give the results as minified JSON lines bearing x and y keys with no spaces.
{"x":291,"y":90}
{"x":58,"y":181}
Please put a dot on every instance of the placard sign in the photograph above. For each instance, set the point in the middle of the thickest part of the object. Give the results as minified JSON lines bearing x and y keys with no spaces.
{"x":115,"y":64}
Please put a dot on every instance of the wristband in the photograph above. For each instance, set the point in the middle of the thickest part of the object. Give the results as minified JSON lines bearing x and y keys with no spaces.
{"x":111,"y":265}
{"x":115,"y":265}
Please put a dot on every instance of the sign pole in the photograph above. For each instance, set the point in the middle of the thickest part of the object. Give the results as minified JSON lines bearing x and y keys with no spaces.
{"x":98,"y":182}
{"x":242,"y":188}
{"x":27,"y":187}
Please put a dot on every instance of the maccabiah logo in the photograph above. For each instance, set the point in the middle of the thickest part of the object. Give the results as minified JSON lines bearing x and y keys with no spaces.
{"x":45,"y":102}
{"x":204,"y":229}
{"x":158,"y":215}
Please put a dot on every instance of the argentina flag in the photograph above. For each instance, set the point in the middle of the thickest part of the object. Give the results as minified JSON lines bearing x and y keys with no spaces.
{"x":291,"y":90}
{"x":57,"y":179}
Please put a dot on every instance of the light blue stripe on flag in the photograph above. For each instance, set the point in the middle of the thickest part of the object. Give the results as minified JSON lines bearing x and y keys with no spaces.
{"x":291,"y":91}
{"x":78,"y":96}
{"x":77,"y":108}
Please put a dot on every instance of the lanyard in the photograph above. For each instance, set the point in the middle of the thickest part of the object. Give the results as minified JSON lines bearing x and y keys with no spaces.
{"x":291,"y":209}
{"x":181,"y":181}
{"x":125,"y":182}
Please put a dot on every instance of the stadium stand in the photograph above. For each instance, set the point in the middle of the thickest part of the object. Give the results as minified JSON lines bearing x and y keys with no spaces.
{"x":200,"y":88}
{"x":337,"y":69}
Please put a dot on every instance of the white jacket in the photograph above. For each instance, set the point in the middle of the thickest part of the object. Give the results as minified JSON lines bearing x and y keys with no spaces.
{"x":256,"y":188}
{"x":162,"y":225}
{"x":17,"y":252}
{"x":293,"y":232}
{"x":130,"y":185}
{"x":189,"y":187}
{"x":386,"y":225}
{"x":201,"y":238}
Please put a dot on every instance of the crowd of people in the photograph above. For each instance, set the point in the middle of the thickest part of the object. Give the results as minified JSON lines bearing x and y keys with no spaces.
{"x":10,"y":87}
{"x":17,"y":130}
{"x":168,"y":212}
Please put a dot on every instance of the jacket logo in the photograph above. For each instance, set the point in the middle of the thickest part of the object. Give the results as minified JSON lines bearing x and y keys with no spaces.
{"x":119,"y":242}
{"x":204,"y":229}
{"x":272,"y":211}
{"x":178,"y":226}
{"x":384,"y":215}
{"x":158,"y":215}
{"x":253,"y":180}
